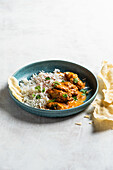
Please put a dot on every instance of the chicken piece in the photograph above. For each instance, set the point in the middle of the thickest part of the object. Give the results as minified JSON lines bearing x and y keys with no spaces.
{"x":56,"y":106}
{"x":67,"y":87}
{"x":73,"y":78}
{"x":74,"y":102}
{"x":58,"y":95}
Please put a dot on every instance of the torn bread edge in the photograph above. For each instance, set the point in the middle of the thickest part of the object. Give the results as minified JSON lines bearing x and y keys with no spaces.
{"x":15,"y":88}
{"x":103,"y":75}
{"x":103,"y":112}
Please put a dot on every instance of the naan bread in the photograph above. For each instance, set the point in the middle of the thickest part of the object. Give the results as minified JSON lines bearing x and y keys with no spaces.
{"x":15,"y":88}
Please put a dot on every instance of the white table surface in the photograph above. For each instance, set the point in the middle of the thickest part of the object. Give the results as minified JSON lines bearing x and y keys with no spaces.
{"x":74,"y":30}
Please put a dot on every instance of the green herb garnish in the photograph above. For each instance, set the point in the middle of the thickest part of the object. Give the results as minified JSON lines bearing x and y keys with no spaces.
{"x":75,"y":80}
{"x":51,"y":100}
{"x":47,"y":78}
{"x":75,"y":98}
{"x":38,"y":88}
{"x":38,"y":97}
{"x":53,"y":106}
{"x":56,"y":83}
{"x":43,"y":90}
{"x":83,"y":94}
{"x":33,"y":95}
{"x":63,"y":81}
{"x":83,"y":91}
{"x":65,"y":95}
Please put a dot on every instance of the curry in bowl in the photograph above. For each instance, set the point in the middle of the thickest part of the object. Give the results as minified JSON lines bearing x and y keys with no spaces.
{"x":51,"y":91}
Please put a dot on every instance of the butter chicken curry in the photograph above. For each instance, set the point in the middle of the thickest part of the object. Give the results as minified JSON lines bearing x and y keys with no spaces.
{"x":67,"y":94}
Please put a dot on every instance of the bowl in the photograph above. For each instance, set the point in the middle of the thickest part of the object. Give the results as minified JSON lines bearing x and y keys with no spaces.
{"x":49,"y":66}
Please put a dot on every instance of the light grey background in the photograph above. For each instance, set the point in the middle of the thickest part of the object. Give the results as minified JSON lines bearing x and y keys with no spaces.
{"x":33,"y":30}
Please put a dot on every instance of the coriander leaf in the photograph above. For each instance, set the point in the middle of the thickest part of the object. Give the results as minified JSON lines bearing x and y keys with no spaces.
{"x":83,"y":91}
{"x":75,"y":98}
{"x":38,"y":97}
{"x":47,"y":78}
{"x":33,"y":95}
{"x":62,"y":80}
{"x":38,"y":88}
{"x":51,"y":100}
{"x":65,"y":95}
{"x":53,"y":106}
{"x":56,"y":82}
{"x":75,"y":80}
{"x":43,"y":90}
{"x":54,"y":86}
{"x":83,"y":94}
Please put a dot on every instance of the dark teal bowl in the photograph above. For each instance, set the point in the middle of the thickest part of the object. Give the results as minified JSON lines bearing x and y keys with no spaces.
{"x":49,"y":66}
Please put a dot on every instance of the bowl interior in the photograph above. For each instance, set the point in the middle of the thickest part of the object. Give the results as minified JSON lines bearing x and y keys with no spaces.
{"x":48,"y":66}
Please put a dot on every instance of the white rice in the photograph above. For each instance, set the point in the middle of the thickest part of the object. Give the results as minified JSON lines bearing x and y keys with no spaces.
{"x":28,"y":88}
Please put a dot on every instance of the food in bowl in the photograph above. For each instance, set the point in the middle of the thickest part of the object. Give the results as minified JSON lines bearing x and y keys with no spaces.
{"x":54,"y":91}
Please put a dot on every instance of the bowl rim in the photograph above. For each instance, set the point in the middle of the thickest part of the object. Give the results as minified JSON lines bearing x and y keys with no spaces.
{"x":56,"y":111}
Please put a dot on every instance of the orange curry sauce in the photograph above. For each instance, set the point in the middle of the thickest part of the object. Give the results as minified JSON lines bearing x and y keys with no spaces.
{"x":68,"y":94}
